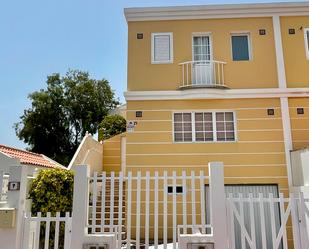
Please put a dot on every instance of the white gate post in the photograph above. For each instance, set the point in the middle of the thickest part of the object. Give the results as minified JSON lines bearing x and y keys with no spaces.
{"x":11,"y":238}
{"x":80,"y":206}
{"x":218,"y":204}
{"x":80,"y":234}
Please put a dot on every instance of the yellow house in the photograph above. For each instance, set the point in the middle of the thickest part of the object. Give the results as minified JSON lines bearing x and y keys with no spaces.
{"x":214,"y":83}
{"x":218,"y":83}
{"x":223,"y":83}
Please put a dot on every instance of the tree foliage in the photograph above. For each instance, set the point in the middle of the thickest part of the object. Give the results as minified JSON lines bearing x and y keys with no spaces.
{"x":61,"y":114}
{"x":111,"y":125}
{"x":52,"y":191}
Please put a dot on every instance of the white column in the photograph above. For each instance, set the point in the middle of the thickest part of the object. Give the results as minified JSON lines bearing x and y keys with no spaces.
{"x":11,"y":238}
{"x":218,"y":204}
{"x":279,"y":52}
{"x":287,"y":135}
{"x":80,"y":206}
{"x":80,"y":234}
{"x":284,"y":102}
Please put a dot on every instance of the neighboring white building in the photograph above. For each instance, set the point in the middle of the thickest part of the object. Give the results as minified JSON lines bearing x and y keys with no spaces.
{"x":11,"y":156}
{"x":15,"y":157}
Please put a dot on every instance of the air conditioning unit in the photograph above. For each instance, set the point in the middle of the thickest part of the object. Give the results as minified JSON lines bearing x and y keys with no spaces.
{"x":95,"y":246}
{"x":207,"y":245}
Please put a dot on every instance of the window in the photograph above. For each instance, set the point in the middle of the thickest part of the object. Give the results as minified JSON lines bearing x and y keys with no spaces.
{"x":225,"y":126}
{"x":307,"y":42}
{"x":204,"y":126}
{"x":161,"y":48}
{"x":240,"y":47}
{"x":183,"y":127}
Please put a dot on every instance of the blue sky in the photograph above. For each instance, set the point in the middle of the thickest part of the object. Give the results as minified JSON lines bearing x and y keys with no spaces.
{"x":39,"y":38}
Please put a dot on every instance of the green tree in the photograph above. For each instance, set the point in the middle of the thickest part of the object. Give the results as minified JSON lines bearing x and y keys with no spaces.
{"x":111,"y":125}
{"x":61,"y":114}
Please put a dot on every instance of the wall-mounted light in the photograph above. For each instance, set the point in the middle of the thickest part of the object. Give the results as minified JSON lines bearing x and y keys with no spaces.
{"x":270,"y":112}
{"x":139,"y":36}
{"x":300,"y":111}
{"x":138,"y":114}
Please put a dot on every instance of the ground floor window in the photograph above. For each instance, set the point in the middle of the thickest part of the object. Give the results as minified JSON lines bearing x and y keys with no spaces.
{"x":204,"y":126}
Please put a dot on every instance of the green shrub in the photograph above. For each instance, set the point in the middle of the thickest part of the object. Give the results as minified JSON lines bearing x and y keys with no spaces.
{"x":111,"y":125}
{"x":52,"y":191}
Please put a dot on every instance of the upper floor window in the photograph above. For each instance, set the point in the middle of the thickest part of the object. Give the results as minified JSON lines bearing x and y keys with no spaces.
{"x":240,"y":47}
{"x":204,"y":126}
{"x":161,"y":48}
{"x":307,"y":42}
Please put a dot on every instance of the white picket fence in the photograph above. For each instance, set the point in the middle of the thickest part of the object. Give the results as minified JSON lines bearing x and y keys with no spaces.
{"x":152,"y":214}
{"x":44,"y":231}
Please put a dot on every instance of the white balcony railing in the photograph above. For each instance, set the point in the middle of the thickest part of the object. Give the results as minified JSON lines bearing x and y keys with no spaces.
{"x":202,"y":74}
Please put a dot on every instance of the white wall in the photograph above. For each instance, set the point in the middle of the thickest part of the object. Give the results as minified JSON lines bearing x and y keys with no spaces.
{"x":300,"y":167}
{"x":89,"y":152}
{"x":6,"y":162}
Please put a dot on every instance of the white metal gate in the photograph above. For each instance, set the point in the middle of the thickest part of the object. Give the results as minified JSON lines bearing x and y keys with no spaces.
{"x":47,"y":231}
{"x":155,"y":208}
{"x":286,"y":227}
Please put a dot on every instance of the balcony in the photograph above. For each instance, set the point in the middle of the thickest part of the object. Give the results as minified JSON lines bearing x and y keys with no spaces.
{"x":202,"y":74}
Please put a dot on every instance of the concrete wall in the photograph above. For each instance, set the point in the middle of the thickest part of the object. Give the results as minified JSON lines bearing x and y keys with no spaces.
{"x":89,"y":152}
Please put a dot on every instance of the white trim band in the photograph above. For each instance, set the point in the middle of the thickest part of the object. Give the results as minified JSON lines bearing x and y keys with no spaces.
{"x":217,"y":11}
{"x":217,"y":94}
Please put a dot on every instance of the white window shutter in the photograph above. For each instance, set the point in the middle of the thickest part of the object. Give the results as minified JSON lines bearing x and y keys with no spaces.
{"x":162,"y":48}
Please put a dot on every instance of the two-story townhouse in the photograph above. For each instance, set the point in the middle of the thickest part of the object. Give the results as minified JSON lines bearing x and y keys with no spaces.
{"x":223,"y":83}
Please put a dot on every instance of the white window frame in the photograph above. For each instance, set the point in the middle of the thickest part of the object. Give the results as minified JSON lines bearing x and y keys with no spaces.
{"x":214,"y":126}
{"x":306,"y":42}
{"x":242,"y":33}
{"x":171,"y":48}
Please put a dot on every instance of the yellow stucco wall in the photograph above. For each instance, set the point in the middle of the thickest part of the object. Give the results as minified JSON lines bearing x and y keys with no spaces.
{"x":257,"y":156}
{"x":296,"y":62}
{"x":299,"y":122}
{"x":258,"y":72}
{"x":112,"y":154}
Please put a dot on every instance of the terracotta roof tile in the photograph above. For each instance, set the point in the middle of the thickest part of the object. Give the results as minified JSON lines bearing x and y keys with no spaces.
{"x":30,"y":158}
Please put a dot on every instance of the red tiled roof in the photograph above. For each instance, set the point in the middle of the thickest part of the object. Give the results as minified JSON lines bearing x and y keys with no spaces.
{"x":30,"y":158}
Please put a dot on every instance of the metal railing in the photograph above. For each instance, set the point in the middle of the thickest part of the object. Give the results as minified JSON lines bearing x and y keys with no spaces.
{"x":206,"y":73}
